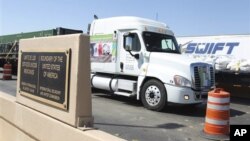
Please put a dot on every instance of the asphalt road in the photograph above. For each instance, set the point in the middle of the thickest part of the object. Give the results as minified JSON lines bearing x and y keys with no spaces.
{"x":126,"y":117}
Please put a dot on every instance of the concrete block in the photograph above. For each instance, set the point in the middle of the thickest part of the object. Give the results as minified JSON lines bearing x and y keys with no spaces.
{"x":78,"y":111}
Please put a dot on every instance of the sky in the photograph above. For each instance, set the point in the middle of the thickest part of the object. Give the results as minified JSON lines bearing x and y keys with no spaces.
{"x":184,"y":17}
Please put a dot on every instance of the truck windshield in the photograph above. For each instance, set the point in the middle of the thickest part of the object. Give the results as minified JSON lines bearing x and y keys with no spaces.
{"x":156,"y":42}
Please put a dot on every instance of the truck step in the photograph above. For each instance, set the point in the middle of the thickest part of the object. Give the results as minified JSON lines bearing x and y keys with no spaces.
{"x":124,"y":94}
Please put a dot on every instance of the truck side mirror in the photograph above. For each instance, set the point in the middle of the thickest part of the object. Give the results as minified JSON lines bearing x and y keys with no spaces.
{"x":128,"y":43}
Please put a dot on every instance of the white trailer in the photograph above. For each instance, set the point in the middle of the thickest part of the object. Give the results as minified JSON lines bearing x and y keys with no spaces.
{"x":229,"y":54}
{"x":237,"y":46}
{"x":137,"y":57}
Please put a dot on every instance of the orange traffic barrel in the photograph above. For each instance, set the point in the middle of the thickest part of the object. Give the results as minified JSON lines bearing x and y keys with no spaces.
{"x":7,"y":70}
{"x":217,"y":115}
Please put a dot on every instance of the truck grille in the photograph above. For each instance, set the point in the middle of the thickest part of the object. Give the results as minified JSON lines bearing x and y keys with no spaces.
{"x":212,"y":76}
{"x":203,"y":77}
{"x":197,"y":83}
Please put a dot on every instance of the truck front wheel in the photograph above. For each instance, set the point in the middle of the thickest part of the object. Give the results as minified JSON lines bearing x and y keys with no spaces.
{"x":153,"y":95}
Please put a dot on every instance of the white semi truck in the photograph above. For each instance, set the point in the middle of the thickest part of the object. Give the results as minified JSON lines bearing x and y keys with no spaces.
{"x":137,"y":57}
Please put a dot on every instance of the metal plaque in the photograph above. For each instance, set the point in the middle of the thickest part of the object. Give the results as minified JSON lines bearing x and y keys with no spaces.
{"x":44,"y":77}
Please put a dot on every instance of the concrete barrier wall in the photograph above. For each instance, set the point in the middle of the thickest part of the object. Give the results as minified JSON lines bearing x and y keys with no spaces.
{"x":20,"y":123}
{"x":11,"y":133}
{"x":30,"y":116}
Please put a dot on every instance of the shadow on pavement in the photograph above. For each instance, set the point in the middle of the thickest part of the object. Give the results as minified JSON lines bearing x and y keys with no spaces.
{"x":170,"y":126}
{"x":187,"y":110}
{"x":162,"y":126}
{"x":234,"y":113}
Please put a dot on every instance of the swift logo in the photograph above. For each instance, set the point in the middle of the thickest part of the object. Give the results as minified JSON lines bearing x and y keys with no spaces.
{"x":211,"y":48}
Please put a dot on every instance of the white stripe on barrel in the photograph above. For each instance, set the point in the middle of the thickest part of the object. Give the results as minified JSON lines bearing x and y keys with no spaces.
{"x":7,"y":69}
{"x":218,"y":100}
{"x":6,"y":74}
{"x":218,"y":107}
{"x":216,"y":122}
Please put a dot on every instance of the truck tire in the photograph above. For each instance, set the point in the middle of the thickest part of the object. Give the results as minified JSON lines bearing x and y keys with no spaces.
{"x":154,"y":95}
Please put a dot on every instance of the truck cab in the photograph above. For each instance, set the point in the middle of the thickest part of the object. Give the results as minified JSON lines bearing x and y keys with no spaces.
{"x":140,"y":58}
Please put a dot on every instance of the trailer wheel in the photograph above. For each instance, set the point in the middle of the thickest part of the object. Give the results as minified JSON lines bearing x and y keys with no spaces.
{"x":154,"y":95}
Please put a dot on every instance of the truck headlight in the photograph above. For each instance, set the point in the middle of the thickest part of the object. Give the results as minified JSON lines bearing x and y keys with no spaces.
{"x":181,"y":81}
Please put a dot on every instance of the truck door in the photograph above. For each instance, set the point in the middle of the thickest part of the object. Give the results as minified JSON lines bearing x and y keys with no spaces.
{"x":130,"y":62}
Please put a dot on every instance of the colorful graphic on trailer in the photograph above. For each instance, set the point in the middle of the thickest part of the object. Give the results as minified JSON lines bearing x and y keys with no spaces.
{"x":103,"y":48}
